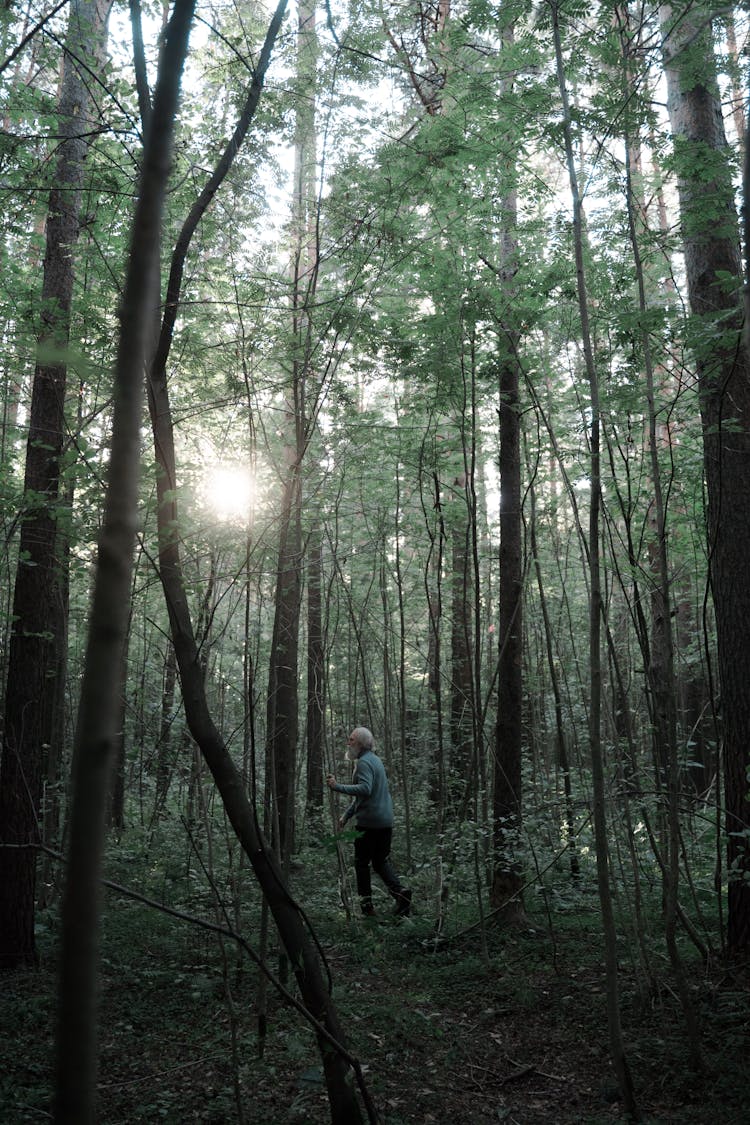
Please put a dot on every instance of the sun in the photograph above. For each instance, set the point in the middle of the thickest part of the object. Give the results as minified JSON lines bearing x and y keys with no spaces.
{"x":228,"y":491}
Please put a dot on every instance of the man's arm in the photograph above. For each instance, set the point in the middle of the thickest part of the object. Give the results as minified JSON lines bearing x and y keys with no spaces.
{"x":362,"y":787}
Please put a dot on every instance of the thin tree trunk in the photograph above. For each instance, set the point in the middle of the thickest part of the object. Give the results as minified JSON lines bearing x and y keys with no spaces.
{"x":116,"y":796}
{"x":561,"y":741}
{"x":434,"y":589}
{"x":163,"y":755}
{"x":283,"y":702}
{"x":98,"y":712}
{"x":300,"y":951}
{"x":282,"y":709}
{"x":461,"y":721}
{"x":315,"y":675}
{"x":506,"y":877}
{"x":289,"y":921}
{"x":617,"y":1046}
{"x":405,"y":772}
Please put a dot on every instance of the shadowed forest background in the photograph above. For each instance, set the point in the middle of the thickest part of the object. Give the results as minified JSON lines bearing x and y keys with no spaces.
{"x":382,"y":364}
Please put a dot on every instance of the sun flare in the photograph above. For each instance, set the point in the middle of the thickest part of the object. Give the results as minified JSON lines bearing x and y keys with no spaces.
{"x":228,"y":492}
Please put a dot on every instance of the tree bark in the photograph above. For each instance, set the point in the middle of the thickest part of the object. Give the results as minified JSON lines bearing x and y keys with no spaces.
{"x":163,"y":750}
{"x":434,"y":591}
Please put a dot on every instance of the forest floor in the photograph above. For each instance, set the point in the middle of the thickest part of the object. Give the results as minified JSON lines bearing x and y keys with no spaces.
{"x":512,"y":1029}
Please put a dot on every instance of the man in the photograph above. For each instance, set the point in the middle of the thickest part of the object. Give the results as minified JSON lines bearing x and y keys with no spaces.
{"x":372,"y":809}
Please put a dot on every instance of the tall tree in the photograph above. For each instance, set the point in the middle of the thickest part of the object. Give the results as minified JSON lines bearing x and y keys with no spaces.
{"x":509,"y":726}
{"x":617,"y":1046}
{"x":36,"y":666}
{"x":660,"y":658}
{"x":283,"y":703}
{"x":714,"y":277}
{"x":99,"y":709}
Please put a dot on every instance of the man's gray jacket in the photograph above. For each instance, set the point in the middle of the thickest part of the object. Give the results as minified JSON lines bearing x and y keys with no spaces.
{"x":372,"y":806}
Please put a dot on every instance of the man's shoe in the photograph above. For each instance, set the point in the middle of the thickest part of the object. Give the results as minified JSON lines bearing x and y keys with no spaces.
{"x":403,"y":904}
{"x":368,"y":910}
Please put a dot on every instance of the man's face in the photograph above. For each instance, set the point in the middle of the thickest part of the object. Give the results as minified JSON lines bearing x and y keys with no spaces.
{"x":353,"y":744}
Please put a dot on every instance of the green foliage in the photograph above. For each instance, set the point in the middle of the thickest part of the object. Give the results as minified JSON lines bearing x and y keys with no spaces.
{"x":415,"y":1012}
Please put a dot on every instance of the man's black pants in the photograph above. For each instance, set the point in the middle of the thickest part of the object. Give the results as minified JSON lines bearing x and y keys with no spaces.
{"x":373,"y":846}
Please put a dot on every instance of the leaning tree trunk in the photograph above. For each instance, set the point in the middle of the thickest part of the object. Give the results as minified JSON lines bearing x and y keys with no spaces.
{"x":714,"y":276}
{"x":99,"y":707}
{"x":292,"y":929}
{"x":302,"y":955}
{"x":36,"y":664}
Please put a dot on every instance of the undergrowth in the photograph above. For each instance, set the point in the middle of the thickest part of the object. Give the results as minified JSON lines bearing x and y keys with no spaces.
{"x":505,"y":1025}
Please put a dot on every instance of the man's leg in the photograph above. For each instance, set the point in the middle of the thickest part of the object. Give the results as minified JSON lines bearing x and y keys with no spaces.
{"x":362,"y":857}
{"x":380,"y":852}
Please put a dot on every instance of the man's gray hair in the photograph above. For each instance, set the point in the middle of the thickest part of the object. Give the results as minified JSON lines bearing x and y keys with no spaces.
{"x":363,"y":738}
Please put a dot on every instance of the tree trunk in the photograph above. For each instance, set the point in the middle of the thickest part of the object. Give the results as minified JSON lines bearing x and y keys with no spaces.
{"x":506,"y":817}
{"x":282,"y":710}
{"x":434,"y":593}
{"x":462,"y":719}
{"x":163,"y":755}
{"x":116,"y":796}
{"x":38,"y":642}
{"x":506,"y":878}
{"x":315,"y":675}
{"x":561,"y":741}
{"x":99,"y":707}
{"x":283,"y":702}
{"x":617,"y":1045}
{"x":402,"y":711}
{"x":714,"y":276}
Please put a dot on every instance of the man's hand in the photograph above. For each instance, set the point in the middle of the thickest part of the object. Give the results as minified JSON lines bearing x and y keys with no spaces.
{"x":330,"y":781}
{"x":341,"y":823}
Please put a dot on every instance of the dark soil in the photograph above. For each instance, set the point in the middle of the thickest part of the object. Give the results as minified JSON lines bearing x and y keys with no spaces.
{"x":510,"y":1030}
